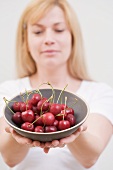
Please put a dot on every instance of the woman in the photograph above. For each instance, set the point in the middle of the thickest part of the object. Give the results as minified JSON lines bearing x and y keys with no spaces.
{"x":50,"y":48}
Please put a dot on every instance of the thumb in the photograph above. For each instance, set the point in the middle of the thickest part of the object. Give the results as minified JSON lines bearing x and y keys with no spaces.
{"x":46,"y":149}
{"x":8,"y":129}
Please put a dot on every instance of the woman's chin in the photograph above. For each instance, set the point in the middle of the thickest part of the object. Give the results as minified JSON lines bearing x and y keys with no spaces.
{"x":50,"y":64}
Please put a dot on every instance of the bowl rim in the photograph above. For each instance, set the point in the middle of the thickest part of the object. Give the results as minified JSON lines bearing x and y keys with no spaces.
{"x":50,"y":133}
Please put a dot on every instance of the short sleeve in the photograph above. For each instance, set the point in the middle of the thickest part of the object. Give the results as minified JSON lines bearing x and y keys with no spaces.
{"x":4,"y":92}
{"x":11,"y":88}
{"x":102,"y":101}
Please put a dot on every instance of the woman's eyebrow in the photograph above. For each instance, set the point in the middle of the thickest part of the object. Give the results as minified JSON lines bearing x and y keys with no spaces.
{"x":38,"y":25}
{"x":55,"y":24}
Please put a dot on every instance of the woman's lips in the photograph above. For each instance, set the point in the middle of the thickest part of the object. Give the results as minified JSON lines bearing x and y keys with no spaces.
{"x":50,"y":51}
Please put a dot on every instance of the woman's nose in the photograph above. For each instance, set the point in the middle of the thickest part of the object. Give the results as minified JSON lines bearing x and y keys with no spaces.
{"x":49,"y":38}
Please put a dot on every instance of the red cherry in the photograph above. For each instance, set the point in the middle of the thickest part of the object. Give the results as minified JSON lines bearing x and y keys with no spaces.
{"x":63,"y":124}
{"x":55,"y":123}
{"x":35,"y":99}
{"x":48,"y":118}
{"x":71,"y":119}
{"x":27,"y":126}
{"x":61,"y":115}
{"x":69,"y":110}
{"x":63,"y":106}
{"x":50,"y":129}
{"x":35,"y":110}
{"x":43,"y":104}
{"x":39,"y":129}
{"x":25,"y":106}
{"x":55,"y":108}
{"x":39,"y":120}
{"x":28,"y":116}
{"x":16,"y":106}
{"x":29,"y":101}
{"x":17,"y":118}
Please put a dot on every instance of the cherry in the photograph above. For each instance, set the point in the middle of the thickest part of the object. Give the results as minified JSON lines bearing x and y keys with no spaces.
{"x":50,"y":129}
{"x":43,"y":104}
{"x":48,"y":118}
{"x":69,"y":111}
{"x":38,"y":120}
{"x":63,"y":124}
{"x":63,"y":106}
{"x":35,"y":110}
{"x":71,"y":119}
{"x":27,"y":126}
{"x":17,"y":118}
{"x":25,"y":106}
{"x":61,"y":115}
{"x":16,"y":106}
{"x":29,"y":101}
{"x":28,"y":116}
{"x":55,"y":108}
{"x":39,"y":129}
{"x":35,"y":99}
{"x":55,"y":123}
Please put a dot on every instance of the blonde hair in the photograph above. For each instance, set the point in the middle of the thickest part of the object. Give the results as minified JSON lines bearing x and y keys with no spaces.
{"x":35,"y":10}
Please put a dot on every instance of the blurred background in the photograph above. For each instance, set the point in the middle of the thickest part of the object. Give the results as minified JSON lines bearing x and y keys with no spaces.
{"x":96,"y":20}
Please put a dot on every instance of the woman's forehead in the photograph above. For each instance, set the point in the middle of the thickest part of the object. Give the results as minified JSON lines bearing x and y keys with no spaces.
{"x":54,"y":16}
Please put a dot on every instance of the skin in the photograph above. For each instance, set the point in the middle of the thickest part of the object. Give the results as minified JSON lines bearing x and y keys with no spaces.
{"x":89,"y":139}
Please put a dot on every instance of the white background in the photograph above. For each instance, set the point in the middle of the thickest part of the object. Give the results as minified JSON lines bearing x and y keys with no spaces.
{"x":96,"y":20}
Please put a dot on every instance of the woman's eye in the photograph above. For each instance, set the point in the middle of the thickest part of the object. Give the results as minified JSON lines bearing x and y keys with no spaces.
{"x":38,"y":32}
{"x":59,"y":30}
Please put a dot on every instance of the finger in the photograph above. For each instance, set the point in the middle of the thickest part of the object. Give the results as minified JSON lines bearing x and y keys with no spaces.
{"x":20,"y":139}
{"x":48,"y":144}
{"x":55,"y":143}
{"x":8,"y":129}
{"x":70,"y":138}
{"x":36,"y":143}
{"x":46,"y":150}
{"x":61,"y":145}
{"x":84,"y":126}
{"x":42,"y":145}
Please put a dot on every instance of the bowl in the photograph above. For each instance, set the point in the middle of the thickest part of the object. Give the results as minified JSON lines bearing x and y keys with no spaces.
{"x":80,"y":108}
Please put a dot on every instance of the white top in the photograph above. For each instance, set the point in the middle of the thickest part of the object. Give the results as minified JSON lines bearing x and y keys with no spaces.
{"x":99,"y":97}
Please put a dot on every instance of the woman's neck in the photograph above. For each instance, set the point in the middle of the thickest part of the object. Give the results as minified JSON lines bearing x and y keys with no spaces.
{"x":58,"y":79}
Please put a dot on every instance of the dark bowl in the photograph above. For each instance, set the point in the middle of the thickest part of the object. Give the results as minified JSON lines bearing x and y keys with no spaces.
{"x":81,"y":112}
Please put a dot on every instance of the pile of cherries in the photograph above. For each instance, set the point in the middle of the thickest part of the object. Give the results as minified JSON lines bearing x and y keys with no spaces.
{"x":38,"y":114}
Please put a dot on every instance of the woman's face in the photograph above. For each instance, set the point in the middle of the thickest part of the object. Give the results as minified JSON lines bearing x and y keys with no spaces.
{"x":49,"y":40}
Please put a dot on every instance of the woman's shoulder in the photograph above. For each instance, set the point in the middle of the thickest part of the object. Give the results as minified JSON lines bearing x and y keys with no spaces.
{"x":98,"y":86}
{"x":14,"y":86}
{"x":94,"y":89}
{"x":15,"y":82}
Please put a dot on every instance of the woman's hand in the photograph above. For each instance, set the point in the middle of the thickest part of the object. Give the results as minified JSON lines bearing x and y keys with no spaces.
{"x":47,"y":145}
{"x":19,"y":139}
{"x":60,"y":143}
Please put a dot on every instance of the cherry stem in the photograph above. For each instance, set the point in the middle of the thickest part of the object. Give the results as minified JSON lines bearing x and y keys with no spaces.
{"x":7,"y":104}
{"x":39,"y":90}
{"x":27,"y":94}
{"x":53,"y":92}
{"x":65,"y":101}
{"x":12,"y":101}
{"x":74,"y":103}
{"x":36,"y":119}
{"x":22,"y":95}
{"x":61,"y":93}
{"x":44,"y":102}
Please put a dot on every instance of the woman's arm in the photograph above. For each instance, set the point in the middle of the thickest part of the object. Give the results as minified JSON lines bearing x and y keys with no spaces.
{"x":12,"y":151}
{"x":90,"y":144}
{"x":86,"y":144}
